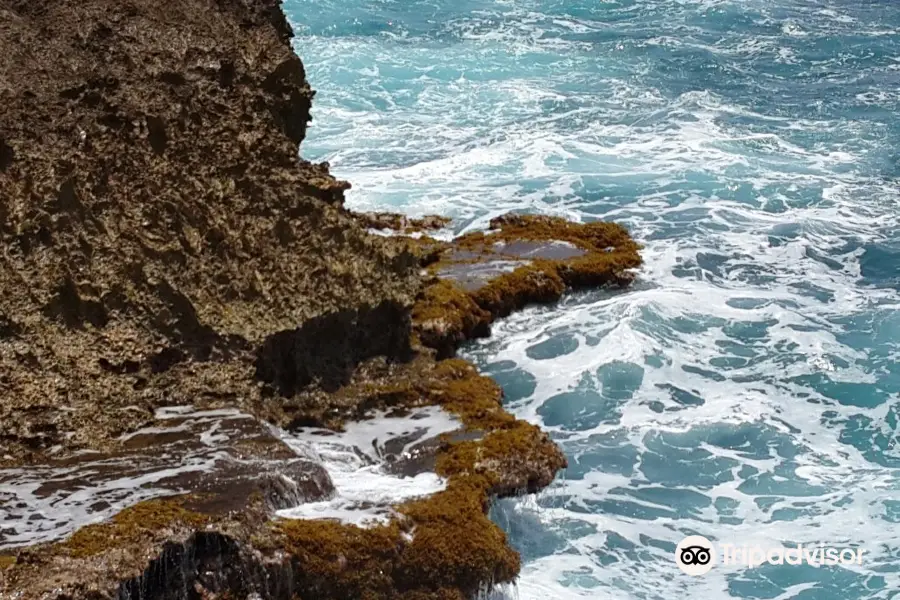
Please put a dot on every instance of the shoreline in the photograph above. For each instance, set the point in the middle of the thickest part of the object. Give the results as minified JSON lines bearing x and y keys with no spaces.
{"x":319,"y":324}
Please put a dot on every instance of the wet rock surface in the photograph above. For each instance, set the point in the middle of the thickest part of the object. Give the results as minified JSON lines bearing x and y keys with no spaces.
{"x":223,"y":456}
{"x":155,"y":549}
{"x":473,"y":268}
{"x":378,"y":462}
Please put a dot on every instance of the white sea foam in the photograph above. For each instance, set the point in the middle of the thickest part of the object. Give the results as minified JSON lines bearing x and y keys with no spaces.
{"x":355,"y":460}
{"x":44,"y":503}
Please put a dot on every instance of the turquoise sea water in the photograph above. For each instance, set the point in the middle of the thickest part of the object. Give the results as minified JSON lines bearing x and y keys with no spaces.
{"x":748,"y":388}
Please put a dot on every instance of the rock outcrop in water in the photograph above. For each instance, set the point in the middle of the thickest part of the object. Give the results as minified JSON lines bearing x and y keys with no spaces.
{"x":175,"y":278}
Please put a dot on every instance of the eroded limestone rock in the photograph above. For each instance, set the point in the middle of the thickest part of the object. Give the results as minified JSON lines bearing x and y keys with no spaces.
{"x":155,"y":217}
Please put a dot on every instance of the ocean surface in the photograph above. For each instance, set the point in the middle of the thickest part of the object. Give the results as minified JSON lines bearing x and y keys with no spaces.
{"x":747,"y":389}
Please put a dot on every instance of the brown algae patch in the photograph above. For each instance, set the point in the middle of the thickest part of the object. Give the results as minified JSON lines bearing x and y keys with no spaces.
{"x":335,"y":560}
{"x":538,"y":281}
{"x":443,"y":545}
{"x":510,"y":228}
{"x":144,"y":521}
{"x":455,"y":544}
{"x":451,"y":309}
{"x":445,"y":316}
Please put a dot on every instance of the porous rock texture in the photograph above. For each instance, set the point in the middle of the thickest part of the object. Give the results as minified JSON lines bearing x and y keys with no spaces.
{"x":162,"y":241}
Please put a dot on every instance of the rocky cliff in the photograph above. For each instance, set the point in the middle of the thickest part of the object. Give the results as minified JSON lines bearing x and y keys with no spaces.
{"x":157,"y":223}
{"x":174,"y":279}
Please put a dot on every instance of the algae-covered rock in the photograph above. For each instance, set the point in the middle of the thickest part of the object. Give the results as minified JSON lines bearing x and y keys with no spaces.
{"x":523,"y":259}
{"x":400,"y":223}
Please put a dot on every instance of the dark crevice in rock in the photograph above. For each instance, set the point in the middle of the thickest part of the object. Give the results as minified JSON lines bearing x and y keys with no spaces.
{"x":173,"y":78}
{"x":67,"y":198}
{"x":156,"y":134}
{"x":226,"y":74}
{"x":209,"y":564}
{"x":165,"y":359}
{"x":180,"y":321}
{"x":290,"y":107}
{"x":6,"y":155}
{"x":126,"y":367}
{"x":206,"y":563}
{"x":8,"y":327}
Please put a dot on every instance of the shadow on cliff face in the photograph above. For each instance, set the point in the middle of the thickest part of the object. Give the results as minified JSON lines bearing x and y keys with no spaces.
{"x":327,"y":349}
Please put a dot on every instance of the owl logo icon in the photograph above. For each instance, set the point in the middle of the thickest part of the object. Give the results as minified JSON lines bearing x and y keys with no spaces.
{"x":695,"y":555}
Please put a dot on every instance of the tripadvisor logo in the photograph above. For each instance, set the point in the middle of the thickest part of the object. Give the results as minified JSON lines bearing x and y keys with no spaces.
{"x":696,"y":555}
